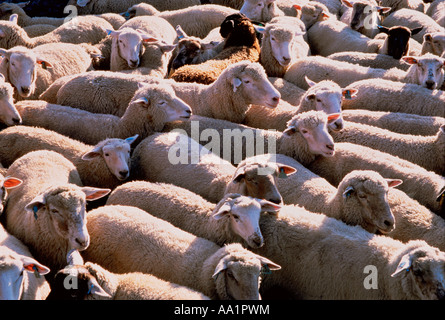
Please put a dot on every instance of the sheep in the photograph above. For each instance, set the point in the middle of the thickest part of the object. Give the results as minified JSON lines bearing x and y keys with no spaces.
{"x":434,"y":43}
{"x":281,"y":45}
{"x":395,"y":5}
{"x":104,"y":165}
{"x":398,"y":42}
{"x":341,"y":38}
{"x":392,"y":96}
{"x":305,"y":138}
{"x":47,"y":212}
{"x":234,"y":219}
{"x":363,"y":16}
{"x":117,"y":6}
{"x":21,"y":275}
{"x":413,"y":19}
{"x":261,"y":10}
{"x":96,"y":283}
{"x":425,"y":71}
{"x":330,"y":260}
{"x":151,"y":107}
{"x":436,"y":12}
{"x":31,"y":71}
{"x":81,"y":29}
{"x":312,"y":12}
{"x":241,"y":44}
{"x":8,"y":113}
{"x":425,"y":151}
{"x":119,"y":232}
{"x":239,"y":86}
{"x":324,"y":96}
{"x":212,"y":176}
{"x":288,"y":91}
{"x":370,"y":60}
{"x":404,"y":123}
{"x":422,"y":185}
{"x":37,"y":30}
{"x":197,"y":21}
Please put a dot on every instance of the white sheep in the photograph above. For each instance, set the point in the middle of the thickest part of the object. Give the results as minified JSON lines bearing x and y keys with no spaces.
{"x":425,"y":71}
{"x":305,"y":138}
{"x":281,"y":45}
{"x":8,"y":113}
{"x":413,"y":19}
{"x":31,"y":71}
{"x":436,"y":10}
{"x":81,"y":29}
{"x":201,"y":170}
{"x":400,"y":4}
{"x":197,"y":21}
{"x":47,"y":211}
{"x":119,"y":232}
{"x":392,"y":96}
{"x":239,"y":86}
{"x":151,"y":107}
{"x":404,"y":123}
{"x":20,"y":274}
{"x":97,"y":283}
{"x":324,"y":96}
{"x":104,"y":165}
{"x":425,"y":151}
{"x":261,"y":10}
{"x":370,"y":60}
{"x":434,"y":43}
{"x":118,"y":6}
{"x":312,"y":12}
{"x":422,"y":185}
{"x":331,"y":260}
{"x":289,"y":92}
{"x":234,"y":219}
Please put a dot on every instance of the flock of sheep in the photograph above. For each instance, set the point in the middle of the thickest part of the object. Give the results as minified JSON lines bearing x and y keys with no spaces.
{"x":342,"y":102}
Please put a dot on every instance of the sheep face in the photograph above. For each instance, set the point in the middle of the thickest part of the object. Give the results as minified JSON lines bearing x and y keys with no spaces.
{"x":434,"y":43}
{"x":63,"y":207}
{"x":244,"y":215}
{"x":260,"y":10}
{"x":397,"y":42}
{"x":159,"y":105}
{"x":428,"y":70}
{"x":19,"y":68}
{"x":312,"y":13}
{"x":237,"y":275}
{"x":312,"y":126}
{"x":365,"y":201}
{"x":14,"y":272}
{"x":281,"y":42}
{"x":190,"y":51}
{"x":422,"y":273}
{"x":8,"y":112}
{"x":252,"y":84}
{"x":364,"y":14}
{"x":116,"y":153}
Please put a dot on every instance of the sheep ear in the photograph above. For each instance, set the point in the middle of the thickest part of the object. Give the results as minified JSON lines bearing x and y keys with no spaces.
{"x":333,"y":117}
{"x":348,"y":192}
{"x":96,"y":289}
{"x":132,"y":139}
{"x":392,"y":183}
{"x":210,"y":45}
{"x":404,"y":264}
{"x":347,"y":3}
{"x":147,"y":38}
{"x":220,"y":267}
{"x":45,"y":64}
{"x":11,"y":182}
{"x":14,"y":18}
{"x":36,"y":203}
{"x":143,"y":100}
{"x":225,"y":209}
{"x":267,"y":206}
{"x":426,"y":37}
{"x":416,"y":31}
{"x":4,"y":53}
{"x":290,"y":130}
{"x":32,"y":265}
{"x":236,"y":82}
{"x":410,"y":60}
{"x":259,"y":29}
{"x":349,"y":94}
{"x":285,"y":170}
{"x":266,"y":262}
{"x":180,"y":33}
{"x":383,"y":9}
{"x":93,"y":154}
{"x":95,"y":193}
{"x":296,"y":7}
{"x":23,"y":4}
{"x":82,"y":3}
{"x":167,"y":48}
{"x":383,"y":29}
{"x":112,"y":33}
{"x":309,"y":81}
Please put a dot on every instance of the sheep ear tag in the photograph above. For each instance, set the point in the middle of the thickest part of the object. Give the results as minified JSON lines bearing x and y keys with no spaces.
{"x":282,"y":174}
{"x":348,"y":192}
{"x":45,"y":65}
{"x":404,"y":264}
{"x":236,"y":82}
{"x":32,"y":265}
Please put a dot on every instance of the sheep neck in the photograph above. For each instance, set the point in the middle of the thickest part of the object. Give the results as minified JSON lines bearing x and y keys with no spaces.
{"x":295,"y":146}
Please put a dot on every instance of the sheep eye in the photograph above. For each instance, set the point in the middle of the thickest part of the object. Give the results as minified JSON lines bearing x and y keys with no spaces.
{"x":272,"y":38}
{"x":318,"y":100}
{"x":54,"y":211}
{"x":363,"y":196}
{"x":304,"y":131}
{"x":235,"y":216}
{"x":107,"y":154}
{"x":246,"y":81}
{"x":230,"y":274}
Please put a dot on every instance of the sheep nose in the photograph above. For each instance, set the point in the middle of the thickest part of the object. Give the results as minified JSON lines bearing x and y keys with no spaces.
{"x":17,"y":120}
{"x":330,"y":146}
{"x":25,"y":90}
{"x":188,"y":111}
{"x":133,"y":62}
{"x":123,"y":173}
{"x":387,"y":223}
{"x":276,"y":99}
{"x":430,"y":84}
{"x":277,"y":201}
{"x":82,"y":242}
